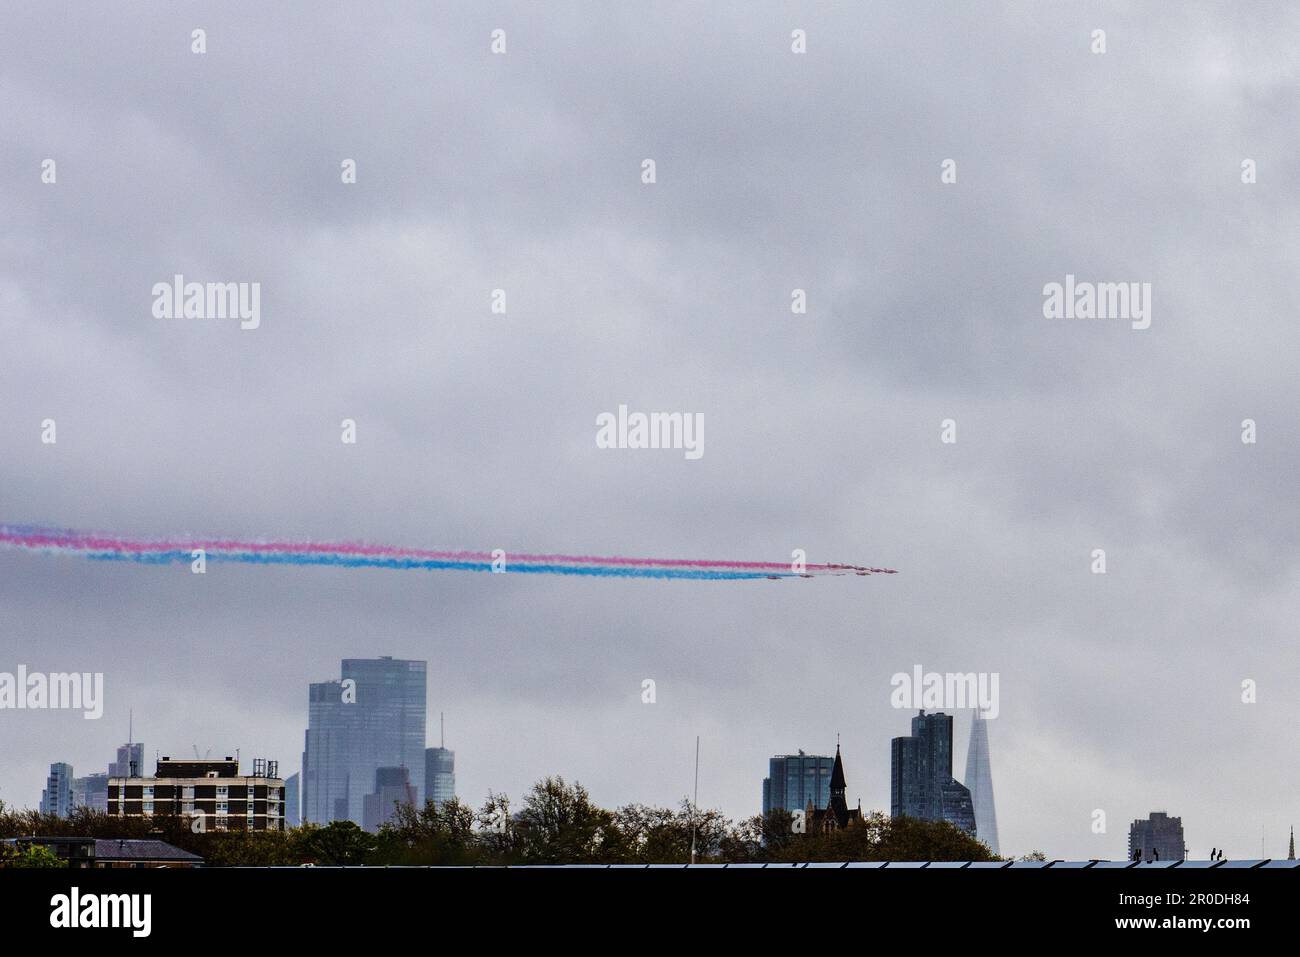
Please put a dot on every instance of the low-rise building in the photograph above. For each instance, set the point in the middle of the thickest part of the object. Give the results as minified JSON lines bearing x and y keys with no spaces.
{"x":86,"y":852}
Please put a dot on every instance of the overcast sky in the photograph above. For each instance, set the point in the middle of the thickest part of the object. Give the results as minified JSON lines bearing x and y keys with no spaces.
{"x":775,"y":171}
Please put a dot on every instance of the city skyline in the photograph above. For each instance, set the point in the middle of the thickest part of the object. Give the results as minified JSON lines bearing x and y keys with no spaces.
{"x":374,"y":810}
{"x":935,"y":740}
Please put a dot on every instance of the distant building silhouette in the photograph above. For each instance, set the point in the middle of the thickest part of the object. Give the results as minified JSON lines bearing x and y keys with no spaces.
{"x":372,"y":717}
{"x":439,"y":775}
{"x":392,"y":787}
{"x":57,"y":797}
{"x":921,"y":781}
{"x":440,"y":770}
{"x":1157,"y":838}
{"x":979,"y":778}
{"x":292,"y":807}
{"x":795,"y":781}
{"x":129,"y":763}
{"x":91,"y":792}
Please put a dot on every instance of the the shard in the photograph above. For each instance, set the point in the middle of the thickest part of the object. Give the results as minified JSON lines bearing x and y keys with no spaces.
{"x":979,"y":778}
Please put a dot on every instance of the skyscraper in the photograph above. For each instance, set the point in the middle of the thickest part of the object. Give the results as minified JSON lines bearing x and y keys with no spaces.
{"x":439,"y":775}
{"x":130,"y":756}
{"x":129,"y":763}
{"x":91,"y":792}
{"x":392,"y":787}
{"x":979,"y":778}
{"x":921,"y":781}
{"x":57,"y":796}
{"x":372,"y":717}
{"x":795,"y":780}
{"x":1158,"y":838}
{"x":292,"y":813}
{"x":440,"y":771}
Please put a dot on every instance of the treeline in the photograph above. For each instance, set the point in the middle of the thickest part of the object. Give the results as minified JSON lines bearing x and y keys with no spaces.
{"x":556,"y":823}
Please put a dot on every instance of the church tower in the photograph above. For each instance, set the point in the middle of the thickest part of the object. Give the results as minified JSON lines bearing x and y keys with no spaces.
{"x":839,"y":806}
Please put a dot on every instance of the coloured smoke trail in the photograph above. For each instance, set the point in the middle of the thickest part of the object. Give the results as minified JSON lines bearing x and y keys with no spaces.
{"x":106,"y":547}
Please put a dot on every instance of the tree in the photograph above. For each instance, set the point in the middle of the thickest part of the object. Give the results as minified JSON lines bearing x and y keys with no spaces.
{"x":338,"y":844}
{"x":881,"y":838}
{"x":431,"y":835}
{"x":559,"y":825}
{"x":495,"y":832}
{"x":30,"y":855}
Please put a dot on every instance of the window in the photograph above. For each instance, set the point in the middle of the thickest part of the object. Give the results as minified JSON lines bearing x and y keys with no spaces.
{"x":147,"y":807}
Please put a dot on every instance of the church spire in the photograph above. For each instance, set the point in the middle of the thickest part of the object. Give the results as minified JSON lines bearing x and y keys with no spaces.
{"x":1290,"y":854}
{"x":839,"y":807}
{"x":838,"y":784}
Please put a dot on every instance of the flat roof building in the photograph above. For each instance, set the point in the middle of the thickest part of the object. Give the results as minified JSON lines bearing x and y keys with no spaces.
{"x":213,"y":792}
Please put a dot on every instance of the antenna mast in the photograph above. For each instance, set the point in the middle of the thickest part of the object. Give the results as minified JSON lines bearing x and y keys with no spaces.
{"x":695,"y":802}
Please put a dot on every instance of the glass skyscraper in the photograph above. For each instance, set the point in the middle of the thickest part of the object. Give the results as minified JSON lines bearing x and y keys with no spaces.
{"x":440,"y":775}
{"x":91,"y":792}
{"x":392,"y":787}
{"x":793,"y":780}
{"x":292,"y":813}
{"x":372,"y":717}
{"x":57,"y":796}
{"x":129,"y":763}
{"x":979,"y":778}
{"x":921,"y":781}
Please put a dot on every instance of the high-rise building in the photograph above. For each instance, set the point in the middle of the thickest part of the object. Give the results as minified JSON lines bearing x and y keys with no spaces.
{"x":921,"y":781}
{"x":795,"y":780}
{"x":372,"y":717}
{"x":439,"y":775}
{"x":1158,"y":838}
{"x":213,"y":791}
{"x":440,"y":770}
{"x":57,"y":796}
{"x":979,"y":778}
{"x":292,"y":814}
{"x":129,"y":763}
{"x":392,"y":787}
{"x":91,"y":792}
